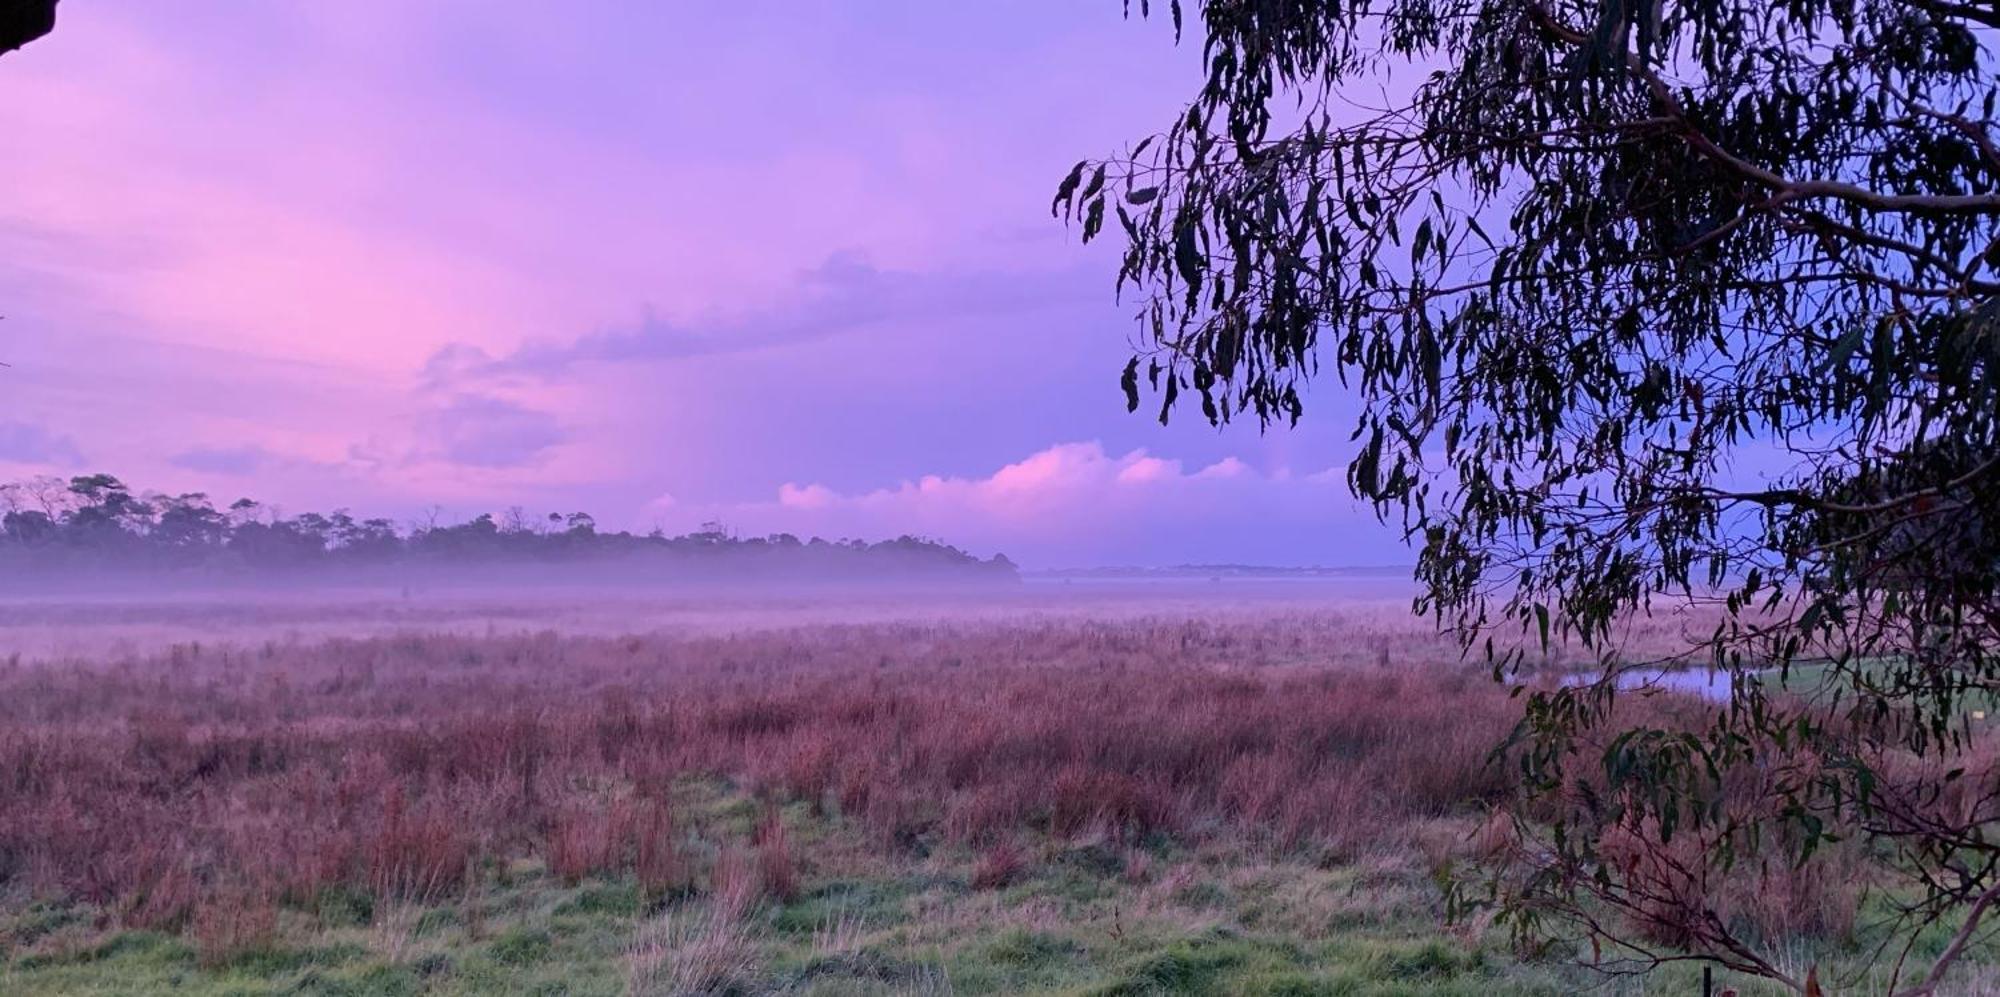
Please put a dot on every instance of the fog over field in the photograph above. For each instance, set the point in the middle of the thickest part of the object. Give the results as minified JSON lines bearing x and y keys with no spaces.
{"x":147,"y":618}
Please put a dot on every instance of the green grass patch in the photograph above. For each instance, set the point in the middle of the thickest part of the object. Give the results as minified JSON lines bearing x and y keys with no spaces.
{"x":866,"y":923}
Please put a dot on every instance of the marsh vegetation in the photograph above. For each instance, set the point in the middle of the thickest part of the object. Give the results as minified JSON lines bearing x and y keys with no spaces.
{"x":1117,"y":792}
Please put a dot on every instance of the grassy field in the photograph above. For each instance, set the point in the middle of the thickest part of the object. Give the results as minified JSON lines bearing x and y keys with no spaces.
{"x":1258,"y":801}
{"x":1084,"y":915}
{"x":1080,"y":916}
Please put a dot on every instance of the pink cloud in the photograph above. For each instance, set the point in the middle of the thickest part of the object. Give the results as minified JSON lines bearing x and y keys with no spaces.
{"x":1075,"y":503}
{"x":792,"y":496}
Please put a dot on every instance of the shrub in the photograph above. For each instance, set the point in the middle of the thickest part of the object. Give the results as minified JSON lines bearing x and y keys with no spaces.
{"x":998,"y":866}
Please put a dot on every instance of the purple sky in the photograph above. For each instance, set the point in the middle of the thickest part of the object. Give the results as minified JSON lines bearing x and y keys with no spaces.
{"x":786,"y":265}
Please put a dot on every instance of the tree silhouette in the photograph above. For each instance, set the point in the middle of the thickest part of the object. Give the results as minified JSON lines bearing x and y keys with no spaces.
{"x":23,"y":21}
{"x":95,"y":524}
{"x":1651,"y":305}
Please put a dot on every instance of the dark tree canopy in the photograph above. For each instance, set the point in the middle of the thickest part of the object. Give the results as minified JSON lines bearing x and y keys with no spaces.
{"x":1652,"y":305}
{"x":23,"y":21}
{"x":94,"y":528}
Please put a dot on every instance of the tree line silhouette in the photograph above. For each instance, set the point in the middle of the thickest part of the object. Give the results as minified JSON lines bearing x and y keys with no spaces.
{"x":97,"y":522}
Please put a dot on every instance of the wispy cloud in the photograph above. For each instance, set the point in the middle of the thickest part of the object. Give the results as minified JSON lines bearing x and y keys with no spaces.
{"x":244,"y":460}
{"x":844,"y":293}
{"x":484,"y":431}
{"x":29,"y":443}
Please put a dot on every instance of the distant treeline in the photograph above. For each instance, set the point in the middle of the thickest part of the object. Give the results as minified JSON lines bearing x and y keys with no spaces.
{"x":96,"y":523}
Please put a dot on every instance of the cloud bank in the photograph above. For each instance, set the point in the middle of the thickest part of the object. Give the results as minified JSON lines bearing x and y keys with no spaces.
{"x":1075,"y":504}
